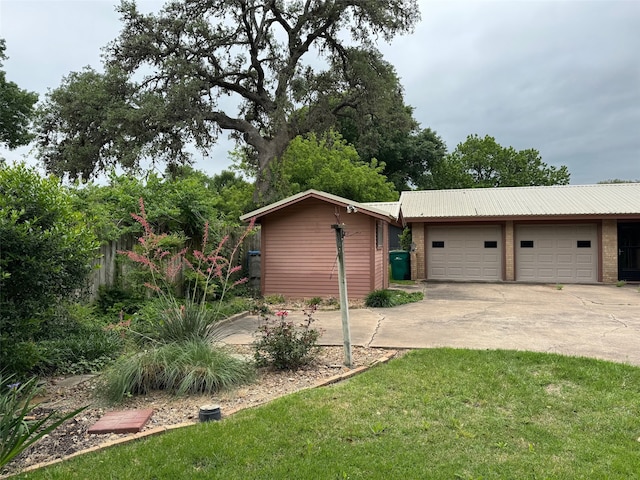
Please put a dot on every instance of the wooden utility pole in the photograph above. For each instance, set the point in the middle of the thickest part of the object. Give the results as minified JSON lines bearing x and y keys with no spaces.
{"x":344,"y":301}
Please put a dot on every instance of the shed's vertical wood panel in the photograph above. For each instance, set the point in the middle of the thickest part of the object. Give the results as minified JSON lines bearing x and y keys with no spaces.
{"x":299,"y":251}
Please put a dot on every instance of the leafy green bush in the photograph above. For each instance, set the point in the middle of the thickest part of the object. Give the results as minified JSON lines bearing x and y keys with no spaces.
{"x":17,"y":432}
{"x":79,"y":353}
{"x":282,"y":345}
{"x":187,"y":367}
{"x":405,"y":239}
{"x":47,"y":249}
{"x":391,"y":298}
{"x":114,"y":299}
{"x":73,"y":340}
{"x":378,"y":298}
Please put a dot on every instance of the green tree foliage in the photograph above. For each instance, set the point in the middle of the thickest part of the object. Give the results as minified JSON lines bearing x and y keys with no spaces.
{"x":46,"y":254}
{"x":331,"y":165}
{"x":482,"y":162}
{"x":181,"y":202}
{"x":16,"y":109}
{"x":287,"y":65}
{"x":93,"y":121}
{"x":409,"y":160}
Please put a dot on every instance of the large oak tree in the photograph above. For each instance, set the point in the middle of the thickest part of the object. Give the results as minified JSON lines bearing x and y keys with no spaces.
{"x":289,"y":66}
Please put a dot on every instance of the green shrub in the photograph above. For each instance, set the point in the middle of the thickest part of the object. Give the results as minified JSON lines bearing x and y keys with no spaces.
{"x":187,"y":367}
{"x":282,"y":345}
{"x":73,"y":340}
{"x":113,"y":300}
{"x":80,"y":353}
{"x":405,"y":239}
{"x":391,"y":298}
{"x":379,"y":299}
{"x":47,"y":249}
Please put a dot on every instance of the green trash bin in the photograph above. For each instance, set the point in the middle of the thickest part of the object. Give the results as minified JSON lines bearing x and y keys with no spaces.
{"x":400,"y":264}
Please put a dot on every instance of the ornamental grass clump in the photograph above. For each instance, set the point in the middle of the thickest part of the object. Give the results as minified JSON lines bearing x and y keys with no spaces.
{"x":185,"y":367}
{"x":284,"y":346}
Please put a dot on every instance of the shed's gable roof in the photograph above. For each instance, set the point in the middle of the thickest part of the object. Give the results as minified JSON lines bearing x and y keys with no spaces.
{"x":366,"y":209}
{"x":557,"y":200}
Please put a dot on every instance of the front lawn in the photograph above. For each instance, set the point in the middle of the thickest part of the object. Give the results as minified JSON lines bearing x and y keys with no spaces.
{"x":440,"y":413}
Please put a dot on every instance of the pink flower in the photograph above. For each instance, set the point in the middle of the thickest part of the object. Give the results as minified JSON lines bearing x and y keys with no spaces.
{"x":282,"y":313}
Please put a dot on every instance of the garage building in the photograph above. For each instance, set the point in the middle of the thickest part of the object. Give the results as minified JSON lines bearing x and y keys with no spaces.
{"x":549,"y":234}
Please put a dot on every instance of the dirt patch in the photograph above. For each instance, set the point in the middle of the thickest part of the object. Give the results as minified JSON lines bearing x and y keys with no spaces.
{"x":73,"y":435}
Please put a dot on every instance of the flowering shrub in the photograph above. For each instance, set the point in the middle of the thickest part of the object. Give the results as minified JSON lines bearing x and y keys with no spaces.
{"x":191,"y":317}
{"x":183,"y":357}
{"x":282,"y":345}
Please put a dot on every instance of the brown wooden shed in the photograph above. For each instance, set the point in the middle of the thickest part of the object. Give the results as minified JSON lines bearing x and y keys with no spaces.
{"x":298,"y":245}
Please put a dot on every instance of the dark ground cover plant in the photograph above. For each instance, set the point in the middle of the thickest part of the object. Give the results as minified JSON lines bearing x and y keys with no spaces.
{"x":75,"y":340}
{"x":391,"y":298}
{"x":283,"y":345}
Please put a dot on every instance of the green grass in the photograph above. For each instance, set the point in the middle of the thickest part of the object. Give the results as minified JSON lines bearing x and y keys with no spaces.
{"x":441,"y":414}
{"x":402,"y":282}
{"x":391,"y":298}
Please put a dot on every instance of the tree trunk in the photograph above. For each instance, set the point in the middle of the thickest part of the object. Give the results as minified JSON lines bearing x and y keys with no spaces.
{"x":266,"y":189}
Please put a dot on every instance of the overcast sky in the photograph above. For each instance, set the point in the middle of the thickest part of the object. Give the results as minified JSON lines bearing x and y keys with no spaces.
{"x":562,"y":77}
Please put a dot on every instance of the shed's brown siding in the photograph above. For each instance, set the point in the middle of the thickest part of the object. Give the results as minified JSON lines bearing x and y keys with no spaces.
{"x":299,"y":251}
{"x":381,"y":263}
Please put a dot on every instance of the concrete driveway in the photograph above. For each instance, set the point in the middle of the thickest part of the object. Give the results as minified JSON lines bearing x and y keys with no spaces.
{"x":599,"y":321}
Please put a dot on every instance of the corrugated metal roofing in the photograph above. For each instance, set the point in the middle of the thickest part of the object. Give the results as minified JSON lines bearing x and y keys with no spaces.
{"x":560,"y":200}
{"x":316,"y":194}
{"x":392,"y":208}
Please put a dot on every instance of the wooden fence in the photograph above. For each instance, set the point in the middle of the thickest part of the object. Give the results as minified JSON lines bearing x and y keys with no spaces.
{"x":108,"y":270}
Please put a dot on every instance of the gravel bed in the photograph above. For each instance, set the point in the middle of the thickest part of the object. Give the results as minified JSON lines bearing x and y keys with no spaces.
{"x":168,"y":409}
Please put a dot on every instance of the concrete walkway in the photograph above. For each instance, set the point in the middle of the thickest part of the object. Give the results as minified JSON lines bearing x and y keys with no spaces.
{"x":599,"y":321}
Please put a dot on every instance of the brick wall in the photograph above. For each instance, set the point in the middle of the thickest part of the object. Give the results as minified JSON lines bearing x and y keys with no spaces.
{"x":418,"y":256}
{"x":609,"y":251}
{"x":509,"y":251}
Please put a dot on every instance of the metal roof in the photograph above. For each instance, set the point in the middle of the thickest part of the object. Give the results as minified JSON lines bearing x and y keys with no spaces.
{"x":364,"y":208}
{"x":560,"y":200}
{"x":392,"y":208}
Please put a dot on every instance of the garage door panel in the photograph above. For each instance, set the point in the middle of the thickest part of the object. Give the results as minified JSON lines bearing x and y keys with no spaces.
{"x":464,"y":253}
{"x":565,"y":244}
{"x":455,"y":272}
{"x":564,"y":258}
{"x":556,"y":253}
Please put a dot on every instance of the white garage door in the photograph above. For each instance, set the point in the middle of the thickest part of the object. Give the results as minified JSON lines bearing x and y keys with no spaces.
{"x":464,"y":253}
{"x":556,"y":253}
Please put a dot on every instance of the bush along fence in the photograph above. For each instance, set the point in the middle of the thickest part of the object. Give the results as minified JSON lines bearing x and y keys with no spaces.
{"x":111,"y":269}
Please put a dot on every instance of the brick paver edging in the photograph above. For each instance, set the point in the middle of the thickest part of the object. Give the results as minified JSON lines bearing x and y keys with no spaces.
{"x":167,"y":428}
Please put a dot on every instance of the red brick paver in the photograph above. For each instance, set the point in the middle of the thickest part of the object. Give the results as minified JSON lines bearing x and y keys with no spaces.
{"x":124,"y":421}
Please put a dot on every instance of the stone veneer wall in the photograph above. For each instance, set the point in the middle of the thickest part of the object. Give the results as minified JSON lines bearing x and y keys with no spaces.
{"x":609,"y":251}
